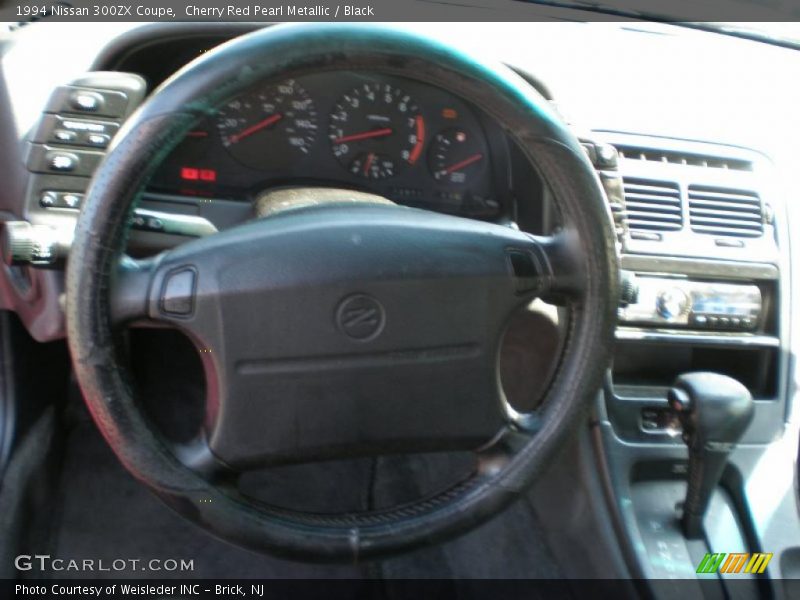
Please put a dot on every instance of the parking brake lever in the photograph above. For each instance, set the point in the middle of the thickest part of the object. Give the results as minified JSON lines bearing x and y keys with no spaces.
{"x":714,"y":411}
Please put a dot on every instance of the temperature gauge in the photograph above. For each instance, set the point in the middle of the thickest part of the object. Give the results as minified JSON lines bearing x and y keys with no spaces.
{"x":456,"y":157}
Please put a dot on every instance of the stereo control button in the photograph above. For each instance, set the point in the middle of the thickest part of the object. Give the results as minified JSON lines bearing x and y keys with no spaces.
{"x":672,"y":303}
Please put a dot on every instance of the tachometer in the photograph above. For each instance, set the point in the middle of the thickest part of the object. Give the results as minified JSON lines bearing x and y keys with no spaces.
{"x":269,"y":127}
{"x":376,"y":130}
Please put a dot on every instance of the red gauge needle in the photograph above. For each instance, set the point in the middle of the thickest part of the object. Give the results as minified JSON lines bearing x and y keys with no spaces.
{"x":253,"y":128}
{"x":463,"y":163}
{"x":368,"y":162}
{"x":417,"y":150}
{"x":363,"y":136}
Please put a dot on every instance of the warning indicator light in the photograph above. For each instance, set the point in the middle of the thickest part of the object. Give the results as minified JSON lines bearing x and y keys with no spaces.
{"x":195,"y":174}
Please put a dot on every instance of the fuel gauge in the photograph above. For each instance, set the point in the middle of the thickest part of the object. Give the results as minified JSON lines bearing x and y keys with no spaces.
{"x":456,"y":156}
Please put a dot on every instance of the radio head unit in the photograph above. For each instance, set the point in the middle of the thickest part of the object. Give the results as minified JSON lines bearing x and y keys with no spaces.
{"x":678,"y":302}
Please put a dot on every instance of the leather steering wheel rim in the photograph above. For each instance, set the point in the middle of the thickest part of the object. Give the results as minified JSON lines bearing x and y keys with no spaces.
{"x":282,"y":52}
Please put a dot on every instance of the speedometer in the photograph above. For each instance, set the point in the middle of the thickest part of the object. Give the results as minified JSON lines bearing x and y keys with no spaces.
{"x":269,"y":127}
{"x":376,"y":130}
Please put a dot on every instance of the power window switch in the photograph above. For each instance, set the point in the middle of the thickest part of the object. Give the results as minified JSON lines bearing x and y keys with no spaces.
{"x":54,"y":199}
{"x":70,"y":200}
{"x":86,"y":101}
{"x":63,"y":162}
{"x":98,"y":140}
{"x":64,"y":135}
{"x":49,"y":200}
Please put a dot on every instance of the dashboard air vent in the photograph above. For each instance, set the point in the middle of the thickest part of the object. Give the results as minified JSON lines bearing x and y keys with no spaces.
{"x":652,"y":205}
{"x":683,"y":158}
{"x":725,"y":211}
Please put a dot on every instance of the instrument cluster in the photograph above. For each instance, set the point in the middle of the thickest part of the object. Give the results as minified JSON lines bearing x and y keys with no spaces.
{"x":407,"y":141}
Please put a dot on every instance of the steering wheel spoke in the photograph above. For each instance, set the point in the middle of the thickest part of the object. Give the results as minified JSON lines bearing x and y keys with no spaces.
{"x":130,"y":290}
{"x":158,"y":290}
{"x":198,"y":456}
{"x":560,"y":270}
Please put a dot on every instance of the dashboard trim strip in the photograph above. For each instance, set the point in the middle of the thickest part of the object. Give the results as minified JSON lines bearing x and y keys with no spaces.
{"x":682,"y":337}
{"x":694,"y":266}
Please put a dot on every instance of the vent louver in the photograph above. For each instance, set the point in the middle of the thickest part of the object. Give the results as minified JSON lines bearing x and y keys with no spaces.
{"x":652,"y":205}
{"x":684,"y":158}
{"x":725,"y":211}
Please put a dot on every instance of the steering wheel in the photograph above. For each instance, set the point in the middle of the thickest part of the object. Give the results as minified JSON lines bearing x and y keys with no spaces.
{"x":336,"y":330}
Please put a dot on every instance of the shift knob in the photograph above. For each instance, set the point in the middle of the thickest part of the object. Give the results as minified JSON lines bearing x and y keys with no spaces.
{"x":714,"y":411}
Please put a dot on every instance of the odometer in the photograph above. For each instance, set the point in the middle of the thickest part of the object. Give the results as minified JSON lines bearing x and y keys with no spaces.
{"x":269,"y":127}
{"x":376,"y":130}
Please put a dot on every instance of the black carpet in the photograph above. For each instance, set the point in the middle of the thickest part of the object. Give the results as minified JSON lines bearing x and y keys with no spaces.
{"x":101,"y":512}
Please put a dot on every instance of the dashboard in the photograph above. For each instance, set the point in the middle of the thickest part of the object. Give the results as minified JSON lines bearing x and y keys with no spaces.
{"x":409,"y":142}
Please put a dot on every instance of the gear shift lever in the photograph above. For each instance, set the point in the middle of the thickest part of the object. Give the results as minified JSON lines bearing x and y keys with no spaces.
{"x":714,"y":411}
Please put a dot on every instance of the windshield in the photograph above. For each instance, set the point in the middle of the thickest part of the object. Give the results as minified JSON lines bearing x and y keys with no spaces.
{"x":786,"y":33}
{"x":769,"y":22}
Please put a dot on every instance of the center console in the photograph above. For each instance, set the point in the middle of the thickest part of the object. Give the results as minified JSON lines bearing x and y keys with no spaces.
{"x":703,"y":242}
